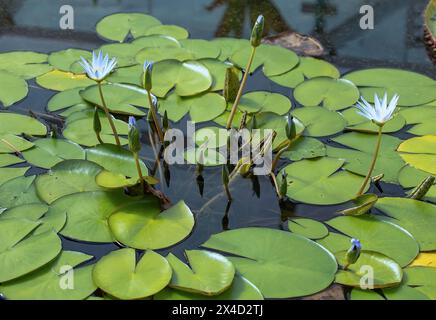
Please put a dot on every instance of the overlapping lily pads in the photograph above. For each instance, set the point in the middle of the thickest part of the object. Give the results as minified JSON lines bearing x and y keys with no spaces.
{"x":420,"y":153}
{"x":20,"y":190}
{"x":24,"y":64}
{"x":319,"y":122}
{"x":12,"y":88}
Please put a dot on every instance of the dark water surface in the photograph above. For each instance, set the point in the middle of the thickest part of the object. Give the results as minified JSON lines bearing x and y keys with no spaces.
{"x":395,"y":42}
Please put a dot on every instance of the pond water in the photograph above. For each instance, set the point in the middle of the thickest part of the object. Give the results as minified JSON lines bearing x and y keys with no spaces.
{"x":395,"y":42}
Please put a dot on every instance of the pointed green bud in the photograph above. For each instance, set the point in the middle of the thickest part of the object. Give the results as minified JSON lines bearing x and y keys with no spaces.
{"x":97,"y":123}
{"x":421,"y":190}
{"x":284,"y":184}
{"x":257,"y":33}
{"x":231,"y":84}
{"x":353,"y":253}
{"x":253,"y":123}
{"x":291,"y":131}
{"x":134,"y":136}
{"x":165,"y":122}
{"x":148,"y":68}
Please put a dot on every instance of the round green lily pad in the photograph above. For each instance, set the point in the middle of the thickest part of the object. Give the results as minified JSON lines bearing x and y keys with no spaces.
{"x":9,"y":159}
{"x":420,"y":153}
{"x":24,"y":64}
{"x":174,"y":31}
{"x":319,"y":122}
{"x":263,"y":101}
{"x":10,"y":143}
{"x":7,"y":174}
{"x":13,"y":123}
{"x":60,"y":80}
{"x":68,"y":60}
{"x":308,"y":228}
{"x":12,"y":88}
{"x":305,"y":148}
{"x":65,"y":99}
{"x":121,"y":276}
{"x":218,"y":69}
{"x":17,"y":191}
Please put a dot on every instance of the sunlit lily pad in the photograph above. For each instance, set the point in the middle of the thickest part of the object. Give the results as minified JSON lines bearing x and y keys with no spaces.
{"x":333,"y":94}
{"x":308,"y":228}
{"x":24,"y":64}
{"x":404,"y":292}
{"x":386,"y":272}
{"x":68,"y":60}
{"x":59,"y":80}
{"x":9,"y":159}
{"x":319,"y":122}
{"x":229,"y":46}
{"x":318,"y":181}
{"x":423,"y":279}
{"x":268,"y":256}
{"x":174,"y":31}
{"x":20,"y":254}
{"x":12,"y":88}
{"x":45,"y":283}
{"x":422,"y":118}
{"x":10,"y":143}
{"x":18,"y":191}
{"x":13,"y":123}
{"x":208,"y":273}
{"x":140,"y":224}
{"x":275,"y":60}
{"x":46,"y":153}
{"x":356,"y":122}
{"x":7,"y":174}
{"x":420,"y":153}
{"x":241,"y":289}
{"x":263,"y":101}
{"x":418,"y":217}
{"x":305,"y":148}
{"x":121,"y":276}
{"x":120,"y":25}
{"x":373,"y":234}
{"x":65,"y":99}
{"x":413,"y":88}
{"x":358,"y":158}
{"x":308,"y":68}
{"x":67,"y":177}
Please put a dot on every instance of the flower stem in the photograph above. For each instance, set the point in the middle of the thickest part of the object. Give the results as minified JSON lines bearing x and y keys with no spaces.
{"x":241,"y":89}
{"x":138,"y":167}
{"x":108,"y":115}
{"x":100,"y":140}
{"x":278,"y":155}
{"x":154,"y":116}
{"x":374,"y":160}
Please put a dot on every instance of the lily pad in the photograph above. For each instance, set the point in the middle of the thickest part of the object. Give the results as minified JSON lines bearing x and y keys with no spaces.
{"x":422,"y":278}
{"x":14,"y":123}
{"x":7,"y":174}
{"x":268,"y":256}
{"x":9,"y":159}
{"x":68,"y":60}
{"x":305,"y":148}
{"x":119,"y":26}
{"x":413,"y":88}
{"x":404,"y":292}
{"x":275,"y":60}
{"x":174,"y":31}
{"x":420,"y":153}
{"x":386,"y":272}
{"x":24,"y":64}
{"x":140,"y":224}
{"x":358,"y":294}
{"x":263,"y":101}
{"x":119,"y":275}
{"x":20,"y":254}
{"x":18,"y":191}
{"x":218,"y":71}
{"x":67,"y":177}
{"x":208,"y":273}
{"x":12,"y":88}
{"x":229,"y":46}
{"x":241,"y":289}
{"x":65,"y":99}
{"x":422,"y":118}
{"x":46,"y":153}
{"x":10,"y":143}
{"x":319,"y":122}
{"x":308,"y":228}
{"x":333,"y":94}
{"x":44,"y":283}
{"x":59,"y":80}
{"x":359,"y":157}
{"x":318,"y":181}
{"x":372,"y":233}
{"x":418,"y":217}
{"x":308,"y":68}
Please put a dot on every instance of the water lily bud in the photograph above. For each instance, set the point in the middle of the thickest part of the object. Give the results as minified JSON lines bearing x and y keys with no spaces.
{"x":231,"y":84}
{"x":253,"y":123}
{"x":150,"y":117}
{"x":134,"y":136}
{"x":257,"y":33}
{"x":165,"y":122}
{"x":284,"y":184}
{"x":291,"y":131}
{"x":353,"y":253}
{"x":148,"y":68}
{"x":97,"y":123}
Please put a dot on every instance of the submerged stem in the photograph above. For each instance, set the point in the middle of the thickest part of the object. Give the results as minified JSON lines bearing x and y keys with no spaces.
{"x":241,"y":89}
{"x":108,"y":115}
{"x":154,"y":116}
{"x":374,"y":160}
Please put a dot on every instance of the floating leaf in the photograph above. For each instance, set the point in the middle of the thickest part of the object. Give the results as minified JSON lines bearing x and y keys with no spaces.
{"x":268,"y":256}
{"x":59,"y":80}
{"x":13,"y":123}
{"x":18,"y":191}
{"x":359,"y":157}
{"x":333,"y":94}
{"x":319,"y":121}
{"x":422,"y":118}
{"x":65,"y":99}
{"x":308,"y":68}
{"x":68,"y":60}
{"x":410,"y":177}
{"x":120,"y":25}
{"x":229,"y":46}
{"x":218,"y":71}
{"x":208,"y":273}
{"x":275,"y":60}
{"x":404,"y":293}
{"x":67,"y":177}
{"x":21,"y":253}
{"x":305,"y":148}
{"x":375,"y":235}
{"x":308,"y":228}
{"x":45,"y":283}
{"x":386,"y":272}
{"x":24,"y":64}
{"x":318,"y":182}
{"x":358,"y":294}
{"x":46,"y":153}
{"x":263,"y":101}
{"x":422,"y":278}
{"x":425,"y":259}
{"x":418,"y":217}
{"x":360,"y":205}
{"x":176,"y":32}
{"x":420,"y":153}
{"x":10,"y":143}
{"x":141,"y":224}
{"x":7,"y":174}
{"x":413,"y":88}
{"x":12,"y":88}
{"x":9,"y":159}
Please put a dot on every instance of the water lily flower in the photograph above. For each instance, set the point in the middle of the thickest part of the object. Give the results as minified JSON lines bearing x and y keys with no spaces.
{"x":381,"y":112}
{"x":100,"y":66}
{"x":148,"y":68}
{"x":353,"y":253}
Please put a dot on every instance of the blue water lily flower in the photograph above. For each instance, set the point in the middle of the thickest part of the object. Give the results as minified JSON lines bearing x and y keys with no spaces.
{"x":381,"y":112}
{"x":132,"y":122}
{"x":100,"y":66}
{"x":355,"y":244}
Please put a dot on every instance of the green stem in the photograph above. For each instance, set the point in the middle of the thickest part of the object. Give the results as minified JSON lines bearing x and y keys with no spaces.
{"x":108,"y":115}
{"x":154,"y":116}
{"x":374,"y":160}
{"x":100,"y":140}
{"x":278,"y":155}
{"x":241,"y":89}
{"x":138,"y":167}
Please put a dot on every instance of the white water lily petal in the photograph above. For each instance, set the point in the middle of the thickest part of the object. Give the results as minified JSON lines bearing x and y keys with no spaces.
{"x":381,"y":112}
